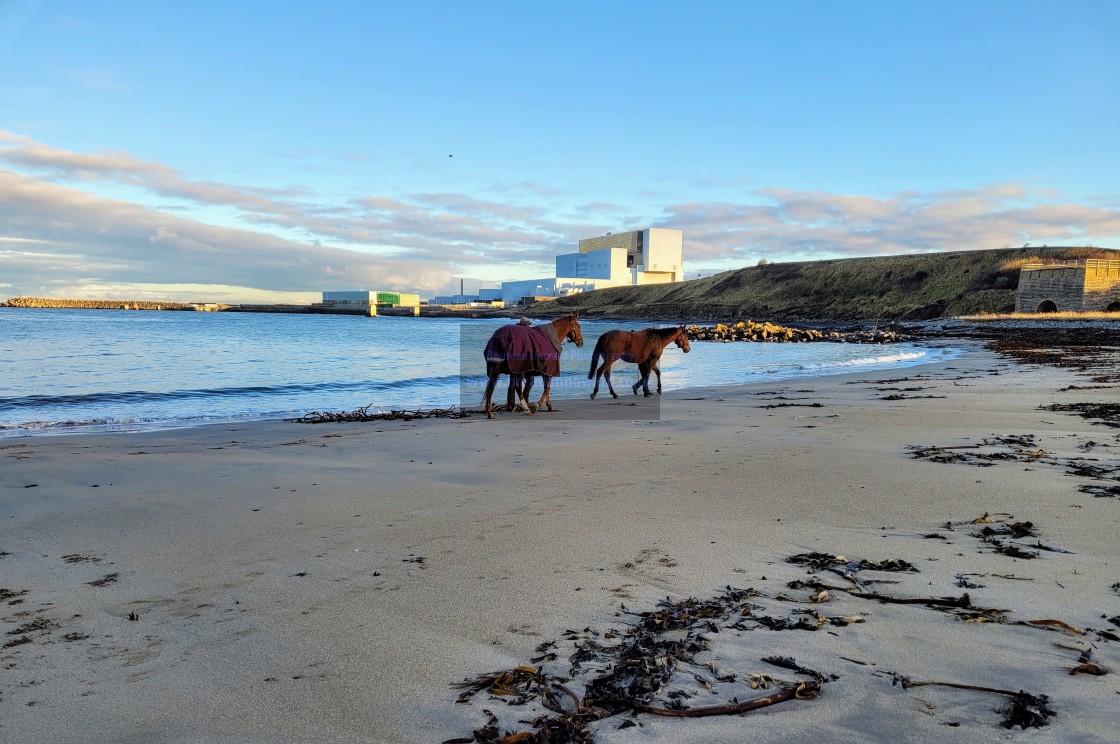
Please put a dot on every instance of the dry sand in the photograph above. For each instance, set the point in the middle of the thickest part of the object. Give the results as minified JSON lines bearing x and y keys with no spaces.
{"x":328,"y":583}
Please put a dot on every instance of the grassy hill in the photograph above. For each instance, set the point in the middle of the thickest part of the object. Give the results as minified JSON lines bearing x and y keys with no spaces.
{"x":918,"y":286}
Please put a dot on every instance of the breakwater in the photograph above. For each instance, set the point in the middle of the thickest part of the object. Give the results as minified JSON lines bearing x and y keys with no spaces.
{"x":748,"y":330}
{"x":44,"y":302}
{"x":51,"y":303}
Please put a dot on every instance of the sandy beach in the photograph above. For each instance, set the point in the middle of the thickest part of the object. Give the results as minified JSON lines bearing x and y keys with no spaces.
{"x":286,"y":582}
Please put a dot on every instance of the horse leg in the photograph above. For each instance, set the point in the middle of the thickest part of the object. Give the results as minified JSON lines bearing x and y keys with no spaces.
{"x":491,"y":381}
{"x":604,"y":370}
{"x":546,"y":396}
{"x":643,"y":379}
{"x":607,"y":376}
{"x":592,"y":372}
{"x":514,"y":389}
{"x":525,"y":395}
{"x":657,"y":369}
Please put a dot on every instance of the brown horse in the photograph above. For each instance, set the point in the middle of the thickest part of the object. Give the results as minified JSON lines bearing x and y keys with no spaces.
{"x":524,"y":352}
{"x":642,"y":348}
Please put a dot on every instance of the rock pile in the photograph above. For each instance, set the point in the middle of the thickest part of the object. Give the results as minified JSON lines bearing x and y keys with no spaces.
{"x":748,"y":330}
{"x":867,"y":337}
{"x":41,"y":302}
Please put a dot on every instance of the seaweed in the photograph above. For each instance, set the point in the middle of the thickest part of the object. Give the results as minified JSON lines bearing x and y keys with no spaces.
{"x":1107,"y":414}
{"x":364,"y":414}
{"x":1024,"y":709}
{"x":1101,"y":492}
{"x":641,"y":673}
{"x":1027,"y":711}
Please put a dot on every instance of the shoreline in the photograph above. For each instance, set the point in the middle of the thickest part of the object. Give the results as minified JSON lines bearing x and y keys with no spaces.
{"x":572,"y":378}
{"x":296,"y":582}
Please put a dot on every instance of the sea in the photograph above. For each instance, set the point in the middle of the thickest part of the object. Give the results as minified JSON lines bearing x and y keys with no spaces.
{"x":82,"y":371}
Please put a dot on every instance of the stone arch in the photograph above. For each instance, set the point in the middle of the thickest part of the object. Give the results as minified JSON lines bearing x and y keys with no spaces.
{"x":1047,"y":306}
{"x":1113,"y":307}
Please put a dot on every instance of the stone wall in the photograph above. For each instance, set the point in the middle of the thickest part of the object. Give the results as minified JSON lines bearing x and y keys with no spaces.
{"x":1102,"y":284}
{"x":1072,"y":286}
{"x":1063,"y":284}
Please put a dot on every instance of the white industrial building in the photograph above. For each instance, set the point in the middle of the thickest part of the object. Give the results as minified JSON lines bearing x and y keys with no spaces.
{"x":650,"y":256}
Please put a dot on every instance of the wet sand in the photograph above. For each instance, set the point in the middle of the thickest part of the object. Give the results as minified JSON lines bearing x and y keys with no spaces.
{"x":284,"y":582}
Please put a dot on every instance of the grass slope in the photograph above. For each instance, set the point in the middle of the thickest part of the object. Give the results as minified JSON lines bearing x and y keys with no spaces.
{"x":926,"y":285}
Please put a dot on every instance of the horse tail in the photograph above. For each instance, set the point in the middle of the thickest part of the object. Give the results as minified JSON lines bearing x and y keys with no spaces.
{"x":594,"y":362}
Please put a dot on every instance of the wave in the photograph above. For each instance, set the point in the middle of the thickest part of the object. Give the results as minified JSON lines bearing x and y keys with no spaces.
{"x":252,"y":391}
{"x":899,"y":359}
{"x":866,"y":361}
{"x":123,"y":424}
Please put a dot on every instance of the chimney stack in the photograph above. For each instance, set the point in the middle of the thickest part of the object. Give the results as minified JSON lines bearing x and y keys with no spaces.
{"x":461,"y":287}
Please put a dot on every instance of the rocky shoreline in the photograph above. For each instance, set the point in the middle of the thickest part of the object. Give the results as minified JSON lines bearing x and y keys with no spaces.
{"x":749,"y":330}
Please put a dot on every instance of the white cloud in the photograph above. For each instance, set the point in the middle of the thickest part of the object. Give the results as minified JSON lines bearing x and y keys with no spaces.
{"x":62,"y":235}
{"x":806,"y":225}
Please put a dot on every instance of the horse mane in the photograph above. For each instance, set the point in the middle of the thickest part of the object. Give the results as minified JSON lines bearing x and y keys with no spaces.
{"x":664,"y":333}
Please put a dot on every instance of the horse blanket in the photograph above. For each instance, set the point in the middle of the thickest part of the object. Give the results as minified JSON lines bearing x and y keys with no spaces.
{"x":526,"y":349}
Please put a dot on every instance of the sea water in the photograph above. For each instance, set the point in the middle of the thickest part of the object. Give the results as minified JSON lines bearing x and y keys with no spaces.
{"x":115,"y":370}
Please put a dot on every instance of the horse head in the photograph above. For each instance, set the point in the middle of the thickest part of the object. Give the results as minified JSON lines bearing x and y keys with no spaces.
{"x":682,"y":339}
{"x":574,"y":334}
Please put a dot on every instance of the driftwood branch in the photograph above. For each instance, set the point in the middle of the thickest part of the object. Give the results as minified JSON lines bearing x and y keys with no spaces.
{"x":803,"y":691}
{"x":963,"y":601}
{"x":907,"y":683}
{"x":575,"y":700}
{"x":1025,"y":710}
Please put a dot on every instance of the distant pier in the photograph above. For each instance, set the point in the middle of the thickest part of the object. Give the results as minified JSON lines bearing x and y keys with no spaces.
{"x":42,"y":302}
{"x":371,"y":310}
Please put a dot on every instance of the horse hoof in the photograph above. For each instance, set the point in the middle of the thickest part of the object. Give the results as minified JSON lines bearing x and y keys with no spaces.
{"x":593,"y":396}
{"x":614,"y":395}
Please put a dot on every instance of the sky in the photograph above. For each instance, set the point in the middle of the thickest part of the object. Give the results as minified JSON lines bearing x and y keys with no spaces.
{"x":258,"y":151}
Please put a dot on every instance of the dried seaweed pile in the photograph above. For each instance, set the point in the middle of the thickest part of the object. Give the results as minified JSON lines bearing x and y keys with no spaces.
{"x":1024,"y":449}
{"x":668,"y":661}
{"x":364,"y":414}
{"x":984,"y":453}
{"x":655,"y":667}
{"x":1107,"y":414}
{"x":997,"y":533}
{"x":1097,"y":362}
{"x":1091,"y":350}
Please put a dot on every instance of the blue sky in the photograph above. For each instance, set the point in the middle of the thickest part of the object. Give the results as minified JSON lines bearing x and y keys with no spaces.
{"x":267,"y":151}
